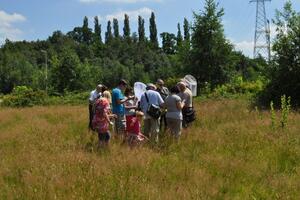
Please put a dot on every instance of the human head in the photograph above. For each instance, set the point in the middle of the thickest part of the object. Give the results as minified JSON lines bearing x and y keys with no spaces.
{"x":106,"y":95}
{"x":150,"y":86}
{"x":128,"y":92}
{"x":139,"y":115}
{"x":174,"y":90}
{"x":181,"y":86}
{"x":104,"y":88}
{"x":99,"y":88}
{"x":160,"y":83}
{"x":122,"y":84}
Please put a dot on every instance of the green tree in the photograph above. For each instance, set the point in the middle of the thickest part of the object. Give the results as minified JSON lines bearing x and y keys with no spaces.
{"x":141,"y":29}
{"x":179,"y":38}
{"x":153,"y":31}
{"x":97,"y":30}
{"x":285,"y":68}
{"x":126,"y":29}
{"x":65,"y":72}
{"x":168,"y":42}
{"x":116,"y":28}
{"x":186,"y":28}
{"x":210,"y":54}
{"x":86,"y":31}
{"x":108,"y":33}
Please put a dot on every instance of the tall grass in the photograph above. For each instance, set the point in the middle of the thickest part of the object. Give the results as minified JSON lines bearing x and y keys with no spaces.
{"x":229,"y":153}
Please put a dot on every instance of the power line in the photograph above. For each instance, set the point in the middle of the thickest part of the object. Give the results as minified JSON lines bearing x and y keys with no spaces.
{"x":262,"y":43}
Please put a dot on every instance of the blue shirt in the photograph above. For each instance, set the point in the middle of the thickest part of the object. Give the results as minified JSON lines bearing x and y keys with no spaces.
{"x":117,"y":95}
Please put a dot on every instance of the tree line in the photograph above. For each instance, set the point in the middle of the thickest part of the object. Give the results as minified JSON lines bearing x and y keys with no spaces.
{"x":81,"y":58}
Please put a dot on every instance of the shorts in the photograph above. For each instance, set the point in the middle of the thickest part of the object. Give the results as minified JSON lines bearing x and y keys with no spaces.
{"x":104,"y":137}
{"x":120,"y":124}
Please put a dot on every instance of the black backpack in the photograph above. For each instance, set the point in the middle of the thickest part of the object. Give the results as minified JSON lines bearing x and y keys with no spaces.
{"x":153,"y":110}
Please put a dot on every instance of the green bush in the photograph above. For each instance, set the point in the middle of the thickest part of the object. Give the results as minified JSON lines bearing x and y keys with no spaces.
{"x":239,"y":86}
{"x":70,"y":98}
{"x":23,"y":96}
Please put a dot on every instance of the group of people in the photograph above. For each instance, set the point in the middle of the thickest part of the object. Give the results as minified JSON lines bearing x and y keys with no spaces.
{"x":159,"y":110}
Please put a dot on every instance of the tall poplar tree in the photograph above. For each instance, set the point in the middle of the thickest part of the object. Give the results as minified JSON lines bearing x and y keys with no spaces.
{"x":186,"y":27}
{"x":108,"y":34}
{"x":179,"y":38}
{"x":116,"y":28}
{"x":126,"y":29}
{"x":141,"y":29}
{"x":97,"y":30}
{"x":86,"y":31}
{"x":153,"y":31}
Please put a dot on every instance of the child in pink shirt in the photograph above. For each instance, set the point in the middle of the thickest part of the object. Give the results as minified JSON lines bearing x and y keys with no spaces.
{"x":134,"y":129}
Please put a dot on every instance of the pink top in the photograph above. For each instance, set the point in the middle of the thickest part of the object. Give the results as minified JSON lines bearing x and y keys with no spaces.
{"x":133,"y":125}
{"x":100,"y":122}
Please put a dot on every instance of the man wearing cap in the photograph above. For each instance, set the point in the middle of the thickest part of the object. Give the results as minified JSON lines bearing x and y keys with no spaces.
{"x":94,"y":95}
{"x":151,"y":125}
{"x":118,"y":109}
{"x":164,"y":93}
{"x":186,"y":95}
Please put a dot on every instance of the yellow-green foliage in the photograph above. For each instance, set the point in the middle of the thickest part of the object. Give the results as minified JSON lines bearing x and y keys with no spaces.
{"x":230,"y":153}
{"x":239,"y":86}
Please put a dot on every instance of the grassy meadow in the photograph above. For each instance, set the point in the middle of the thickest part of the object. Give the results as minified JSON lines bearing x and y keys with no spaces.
{"x":231,"y":152}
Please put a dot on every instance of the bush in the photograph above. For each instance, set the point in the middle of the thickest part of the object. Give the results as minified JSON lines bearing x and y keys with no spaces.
{"x":23,"y":96}
{"x":69,"y":98}
{"x":239,"y":86}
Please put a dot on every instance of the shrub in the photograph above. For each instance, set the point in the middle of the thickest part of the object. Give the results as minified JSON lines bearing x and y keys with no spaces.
{"x":239,"y":86}
{"x":70,"y":98}
{"x":23,"y":96}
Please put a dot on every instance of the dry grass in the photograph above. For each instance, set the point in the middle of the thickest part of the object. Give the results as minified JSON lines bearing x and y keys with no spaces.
{"x":230,"y":153}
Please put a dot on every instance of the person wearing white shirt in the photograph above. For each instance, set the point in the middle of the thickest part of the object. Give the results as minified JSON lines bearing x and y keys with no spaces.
{"x":151,"y":125}
{"x":94,"y":95}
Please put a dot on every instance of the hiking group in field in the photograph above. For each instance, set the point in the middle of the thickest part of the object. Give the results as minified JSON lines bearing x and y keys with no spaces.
{"x":158,"y":110}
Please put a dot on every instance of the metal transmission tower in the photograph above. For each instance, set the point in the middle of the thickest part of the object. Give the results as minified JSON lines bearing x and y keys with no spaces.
{"x":262,"y":43}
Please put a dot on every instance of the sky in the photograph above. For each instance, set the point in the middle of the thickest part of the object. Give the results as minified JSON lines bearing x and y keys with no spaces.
{"x":38,"y":19}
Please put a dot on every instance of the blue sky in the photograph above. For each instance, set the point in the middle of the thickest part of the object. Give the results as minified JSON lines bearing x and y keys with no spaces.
{"x":37,"y":19}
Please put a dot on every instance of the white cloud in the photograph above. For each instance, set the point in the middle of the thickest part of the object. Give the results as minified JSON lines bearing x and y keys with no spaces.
{"x":117,"y":1}
{"x":7,"y":30}
{"x":245,"y":46}
{"x":133,"y":14}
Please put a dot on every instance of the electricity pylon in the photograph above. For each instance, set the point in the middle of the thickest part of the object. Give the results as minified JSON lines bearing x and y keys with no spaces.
{"x":262,"y":42}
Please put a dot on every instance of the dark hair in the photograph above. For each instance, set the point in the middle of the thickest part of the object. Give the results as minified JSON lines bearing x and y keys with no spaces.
{"x":104,"y":88}
{"x":174,"y":90}
{"x":128,"y":90}
{"x":123,"y":82}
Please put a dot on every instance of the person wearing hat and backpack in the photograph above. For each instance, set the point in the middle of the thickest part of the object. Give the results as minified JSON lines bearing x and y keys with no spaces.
{"x":151,"y":102}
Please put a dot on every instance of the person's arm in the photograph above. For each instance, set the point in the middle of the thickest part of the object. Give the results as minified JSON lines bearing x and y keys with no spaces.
{"x":180,"y":104}
{"x":122,"y":101}
{"x":161,"y":102}
{"x":91,"y":98}
{"x":130,"y":106}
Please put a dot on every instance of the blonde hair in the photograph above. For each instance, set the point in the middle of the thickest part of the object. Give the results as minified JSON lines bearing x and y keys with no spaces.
{"x":106,"y":94}
{"x":139,"y":114}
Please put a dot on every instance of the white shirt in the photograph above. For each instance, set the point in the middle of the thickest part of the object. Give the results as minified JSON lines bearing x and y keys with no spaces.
{"x":94,"y":95}
{"x":154,"y":98}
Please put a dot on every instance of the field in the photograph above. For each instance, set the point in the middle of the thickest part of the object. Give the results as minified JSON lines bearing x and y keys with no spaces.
{"x":231,"y":152}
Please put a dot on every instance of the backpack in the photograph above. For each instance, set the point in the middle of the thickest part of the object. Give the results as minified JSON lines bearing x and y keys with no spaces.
{"x":153,"y":110}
